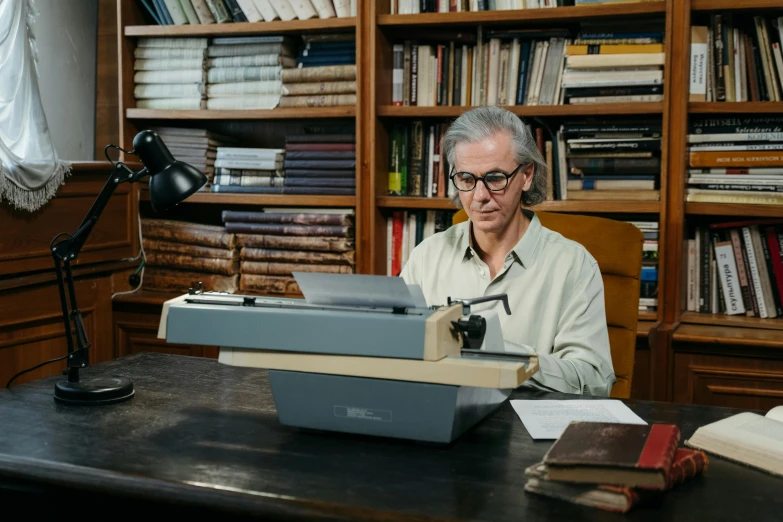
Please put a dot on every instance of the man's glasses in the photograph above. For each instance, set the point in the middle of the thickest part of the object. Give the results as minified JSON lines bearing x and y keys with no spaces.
{"x":494,"y":181}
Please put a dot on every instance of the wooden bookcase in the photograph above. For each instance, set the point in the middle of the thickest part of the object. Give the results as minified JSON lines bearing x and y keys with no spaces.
{"x":680,"y":354}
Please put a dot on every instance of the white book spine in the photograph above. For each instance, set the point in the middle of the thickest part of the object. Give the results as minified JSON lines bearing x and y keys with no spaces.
{"x":194,"y":103}
{"x":202,"y":11}
{"x":175,"y":10}
{"x":170,"y":76}
{"x":167,"y":64}
{"x":729,"y":278}
{"x":747,"y":239}
{"x":325,"y":9}
{"x":303,"y":8}
{"x":168,"y":90}
{"x":153,"y":53}
{"x":249,"y":8}
{"x":241,"y":88}
{"x":691,"y":276}
{"x":266,"y":10}
{"x":283,"y":9}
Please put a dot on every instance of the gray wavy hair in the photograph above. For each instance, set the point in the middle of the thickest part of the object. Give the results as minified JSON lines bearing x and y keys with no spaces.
{"x":482,"y":122}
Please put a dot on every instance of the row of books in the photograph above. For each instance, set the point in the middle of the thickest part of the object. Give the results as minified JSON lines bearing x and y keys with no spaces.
{"x":195,"y":12}
{"x":407,"y":228}
{"x":451,"y":6}
{"x":607,"y":160}
{"x":415,"y":166}
{"x":735,"y":159}
{"x":253,"y":252}
{"x":248,"y":72}
{"x":736,"y":268}
{"x":648,"y":288}
{"x":603,"y":63}
{"x":313,"y":164}
{"x":737,"y":59}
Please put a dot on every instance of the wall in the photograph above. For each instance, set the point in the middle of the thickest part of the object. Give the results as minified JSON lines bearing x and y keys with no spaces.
{"x":66,"y":34}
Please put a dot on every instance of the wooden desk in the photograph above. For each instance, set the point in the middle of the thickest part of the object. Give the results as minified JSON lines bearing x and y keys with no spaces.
{"x":200,"y":438}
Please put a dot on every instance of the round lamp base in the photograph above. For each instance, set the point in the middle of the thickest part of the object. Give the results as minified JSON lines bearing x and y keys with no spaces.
{"x":99,"y":390}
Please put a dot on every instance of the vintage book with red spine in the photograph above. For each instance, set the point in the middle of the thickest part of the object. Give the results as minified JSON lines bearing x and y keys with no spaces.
{"x":687,"y":464}
{"x":631,"y":455}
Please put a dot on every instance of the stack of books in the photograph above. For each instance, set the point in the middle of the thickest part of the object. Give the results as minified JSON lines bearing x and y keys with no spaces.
{"x":611,"y":65}
{"x":197,"y":147}
{"x":407,"y":228}
{"x":614,"y":467}
{"x":193,"y":12}
{"x":320,"y":164}
{"x":319,"y":86}
{"x":245,"y":72}
{"x":276,"y":242}
{"x":618,"y":160}
{"x":170,"y":73}
{"x":735,"y":160}
{"x":736,"y":268}
{"x":327,"y":49}
{"x":245,"y":169}
{"x":180,"y":254}
{"x":737,"y":59}
{"x":648,"y":289}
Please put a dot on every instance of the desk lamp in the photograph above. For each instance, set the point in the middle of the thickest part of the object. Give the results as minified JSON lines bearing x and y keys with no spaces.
{"x":171,"y":181}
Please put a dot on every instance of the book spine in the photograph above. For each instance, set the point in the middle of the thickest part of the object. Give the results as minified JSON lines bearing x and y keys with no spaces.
{"x":268,"y":284}
{"x":196,"y":264}
{"x":312,"y":243}
{"x":296,"y":256}
{"x":660,"y":447}
{"x":190,"y":233}
{"x":285,"y":218}
{"x":263,"y":267}
{"x":185,"y":249}
{"x":169,"y":280}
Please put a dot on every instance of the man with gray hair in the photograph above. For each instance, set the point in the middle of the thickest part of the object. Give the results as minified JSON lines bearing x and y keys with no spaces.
{"x":554,"y":285}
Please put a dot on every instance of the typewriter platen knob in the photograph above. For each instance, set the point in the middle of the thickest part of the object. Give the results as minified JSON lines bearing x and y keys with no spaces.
{"x":472,"y":330}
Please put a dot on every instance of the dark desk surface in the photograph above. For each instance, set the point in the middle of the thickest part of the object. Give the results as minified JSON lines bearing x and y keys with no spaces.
{"x":206,"y":435}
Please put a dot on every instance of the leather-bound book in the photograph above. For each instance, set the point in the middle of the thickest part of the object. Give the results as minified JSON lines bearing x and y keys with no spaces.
{"x":264,"y":267}
{"x":188,"y":262}
{"x":189,"y":233}
{"x":168,"y":280}
{"x":631,"y":455}
{"x":687,"y":465}
{"x":265,"y":284}
{"x":313,"y":243}
{"x":282,"y":229}
{"x":155,"y":245}
{"x":298,"y":256}
{"x":293,"y":219}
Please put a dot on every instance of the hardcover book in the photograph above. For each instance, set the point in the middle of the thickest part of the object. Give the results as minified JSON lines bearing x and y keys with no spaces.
{"x":629,"y":455}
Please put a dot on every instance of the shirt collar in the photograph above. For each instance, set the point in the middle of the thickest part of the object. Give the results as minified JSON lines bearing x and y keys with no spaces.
{"x":524,"y":250}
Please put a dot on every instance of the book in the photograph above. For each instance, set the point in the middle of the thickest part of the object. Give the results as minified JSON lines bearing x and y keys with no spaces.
{"x":746,"y":438}
{"x":631,"y":455}
{"x":687,"y":464}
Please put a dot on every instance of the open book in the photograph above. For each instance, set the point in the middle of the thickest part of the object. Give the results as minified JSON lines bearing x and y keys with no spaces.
{"x":747,"y":438}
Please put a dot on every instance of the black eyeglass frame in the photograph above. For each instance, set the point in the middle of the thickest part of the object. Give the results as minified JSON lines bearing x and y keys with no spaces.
{"x":477,"y":178}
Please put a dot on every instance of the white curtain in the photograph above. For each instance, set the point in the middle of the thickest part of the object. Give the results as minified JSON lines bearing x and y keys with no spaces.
{"x":30,"y":171}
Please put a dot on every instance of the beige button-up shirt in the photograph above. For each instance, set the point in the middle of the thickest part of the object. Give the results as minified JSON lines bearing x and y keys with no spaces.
{"x":555,"y":292}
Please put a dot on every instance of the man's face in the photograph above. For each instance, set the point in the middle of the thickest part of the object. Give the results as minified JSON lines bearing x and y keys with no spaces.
{"x":491,"y":211}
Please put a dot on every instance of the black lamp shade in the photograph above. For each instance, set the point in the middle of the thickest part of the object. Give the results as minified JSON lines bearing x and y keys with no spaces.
{"x":171,"y":181}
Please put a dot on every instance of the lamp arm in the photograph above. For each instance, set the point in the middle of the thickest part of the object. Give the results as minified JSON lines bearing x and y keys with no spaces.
{"x":68,"y":249}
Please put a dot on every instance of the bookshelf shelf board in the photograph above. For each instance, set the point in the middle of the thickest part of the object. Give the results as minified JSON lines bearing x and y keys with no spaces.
{"x":523,"y":15}
{"x":738,"y":321}
{"x":722,"y":5}
{"x":392,"y":111}
{"x":645,"y":324}
{"x":700,"y":333}
{"x":245,"y":28}
{"x":423,"y":203}
{"x":647,"y":316}
{"x":733,"y":209}
{"x":266,"y":114}
{"x":602,"y":207}
{"x":735,"y":107}
{"x":277,"y":200}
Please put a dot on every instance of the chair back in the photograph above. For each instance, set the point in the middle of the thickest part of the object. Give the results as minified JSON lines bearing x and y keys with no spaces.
{"x":617,"y":247}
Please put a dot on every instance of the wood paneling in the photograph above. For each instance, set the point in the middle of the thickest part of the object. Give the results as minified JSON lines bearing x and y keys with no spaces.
{"x":107,"y":105}
{"x":641,"y":382}
{"x":25,"y":237}
{"x":728,"y":381}
{"x":32,"y":330}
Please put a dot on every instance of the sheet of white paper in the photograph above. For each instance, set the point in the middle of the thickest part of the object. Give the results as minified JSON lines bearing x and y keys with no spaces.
{"x":354,"y":290}
{"x":546,"y":419}
{"x":418,"y":295}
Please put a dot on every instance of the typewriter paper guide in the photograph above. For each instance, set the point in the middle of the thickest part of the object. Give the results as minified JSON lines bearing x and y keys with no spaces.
{"x":455,"y":371}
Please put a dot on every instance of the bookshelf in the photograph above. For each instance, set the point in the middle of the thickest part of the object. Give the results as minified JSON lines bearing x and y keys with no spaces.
{"x":676,"y":337}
